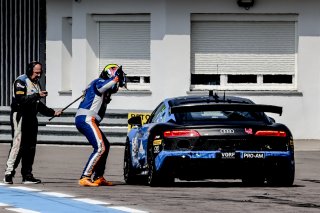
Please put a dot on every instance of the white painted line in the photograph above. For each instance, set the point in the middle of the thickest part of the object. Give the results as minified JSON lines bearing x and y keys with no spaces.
{"x":25,"y":188}
{"x":3,"y":184}
{"x":4,"y":204}
{"x":56,"y":194}
{"x":101,"y":127}
{"x":126,"y":209}
{"x":20,"y":210}
{"x":78,"y":146}
{"x":90,"y":201}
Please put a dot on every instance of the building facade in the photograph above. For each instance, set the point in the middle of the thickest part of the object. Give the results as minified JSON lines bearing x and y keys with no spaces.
{"x":269,"y":52}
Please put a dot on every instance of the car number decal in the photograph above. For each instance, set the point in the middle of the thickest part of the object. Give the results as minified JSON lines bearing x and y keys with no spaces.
{"x":156,"y":149}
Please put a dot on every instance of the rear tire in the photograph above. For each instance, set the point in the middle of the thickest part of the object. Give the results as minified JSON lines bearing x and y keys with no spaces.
{"x":156,"y":178}
{"x":153,"y":176}
{"x":282,"y":175}
{"x":128,"y":171}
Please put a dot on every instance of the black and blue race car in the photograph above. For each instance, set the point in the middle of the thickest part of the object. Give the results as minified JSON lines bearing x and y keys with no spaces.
{"x":209,"y":137}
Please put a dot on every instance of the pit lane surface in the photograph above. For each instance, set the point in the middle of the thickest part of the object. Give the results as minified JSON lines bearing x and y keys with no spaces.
{"x":59,"y":168}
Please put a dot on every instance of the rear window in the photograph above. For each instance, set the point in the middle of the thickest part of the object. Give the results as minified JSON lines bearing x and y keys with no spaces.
{"x":220,"y":116}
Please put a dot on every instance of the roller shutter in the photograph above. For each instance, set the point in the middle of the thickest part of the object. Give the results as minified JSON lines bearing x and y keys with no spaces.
{"x":243,"y":47}
{"x":126,"y":43}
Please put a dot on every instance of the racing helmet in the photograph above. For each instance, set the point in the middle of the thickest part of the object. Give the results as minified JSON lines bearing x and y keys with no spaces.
{"x":109,"y":71}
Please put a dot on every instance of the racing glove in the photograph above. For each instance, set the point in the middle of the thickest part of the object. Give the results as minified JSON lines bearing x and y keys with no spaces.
{"x":122,"y":77}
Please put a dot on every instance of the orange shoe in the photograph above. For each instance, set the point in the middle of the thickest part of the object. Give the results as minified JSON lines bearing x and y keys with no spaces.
{"x":101,"y":181}
{"x":86,"y":181}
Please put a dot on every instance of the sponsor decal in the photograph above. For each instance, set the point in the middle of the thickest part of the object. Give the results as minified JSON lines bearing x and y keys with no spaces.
{"x":135,"y":146}
{"x":20,"y":93}
{"x":227,"y":131}
{"x":157,"y":137}
{"x":157,"y":142}
{"x":144,"y":117}
{"x":248,"y":131}
{"x":253,"y":155}
{"x":228,"y":155}
{"x":20,"y":85}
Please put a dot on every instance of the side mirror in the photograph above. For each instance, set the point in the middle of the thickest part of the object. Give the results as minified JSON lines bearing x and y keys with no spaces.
{"x":135,"y":121}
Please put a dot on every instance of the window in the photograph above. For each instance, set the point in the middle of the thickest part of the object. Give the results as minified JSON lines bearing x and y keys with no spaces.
{"x":219,"y":116}
{"x":205,"y":79}
{"x":243,"y":51}
{"x":125,"y":39}
{"x":242,"y":79}
{"x":277,"y":79}
{"x":160,"y":114}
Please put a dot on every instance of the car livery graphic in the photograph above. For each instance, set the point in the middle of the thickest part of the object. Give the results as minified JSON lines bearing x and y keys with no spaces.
{"x":209,"y":137}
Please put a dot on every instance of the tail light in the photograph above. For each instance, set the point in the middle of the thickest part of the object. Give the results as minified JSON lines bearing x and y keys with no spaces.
{"x":181,"y":133}
{"x":271,"y":133}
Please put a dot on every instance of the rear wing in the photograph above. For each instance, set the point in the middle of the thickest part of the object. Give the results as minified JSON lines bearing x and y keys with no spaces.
{"x":227,"y":107}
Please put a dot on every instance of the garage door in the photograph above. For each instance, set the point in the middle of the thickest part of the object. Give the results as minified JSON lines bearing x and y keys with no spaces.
{"x":243,"y":54}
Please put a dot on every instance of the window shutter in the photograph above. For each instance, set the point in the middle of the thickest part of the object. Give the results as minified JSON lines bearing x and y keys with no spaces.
{"x":243,"y":47}
{"x":125,"y":43}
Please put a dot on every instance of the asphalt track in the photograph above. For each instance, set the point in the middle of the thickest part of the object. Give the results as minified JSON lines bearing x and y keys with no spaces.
{"x":59,"y":168}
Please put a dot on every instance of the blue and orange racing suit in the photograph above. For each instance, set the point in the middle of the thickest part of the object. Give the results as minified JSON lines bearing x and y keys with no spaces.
{"x":89,"y":115}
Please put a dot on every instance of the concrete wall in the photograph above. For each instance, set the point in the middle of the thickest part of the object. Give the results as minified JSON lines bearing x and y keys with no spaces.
{"x":72,"y":63}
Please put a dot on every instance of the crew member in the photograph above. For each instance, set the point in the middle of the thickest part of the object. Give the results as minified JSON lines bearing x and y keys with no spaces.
{"x":24,"y":123}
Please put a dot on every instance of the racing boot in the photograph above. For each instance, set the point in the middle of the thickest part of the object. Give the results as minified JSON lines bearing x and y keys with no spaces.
{"x":101,"y":181}
{"x":8,"y":179}
{"x":86,"y":181}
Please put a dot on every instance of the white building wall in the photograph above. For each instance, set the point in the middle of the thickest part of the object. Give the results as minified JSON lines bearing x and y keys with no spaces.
{"x":170,"y":54}
{"x":57,"y":56}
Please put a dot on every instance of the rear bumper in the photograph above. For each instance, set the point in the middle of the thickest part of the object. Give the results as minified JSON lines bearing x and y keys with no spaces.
{"x":216,"y":164}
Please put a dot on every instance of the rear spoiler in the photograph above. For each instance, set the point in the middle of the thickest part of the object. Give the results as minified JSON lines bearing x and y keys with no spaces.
{"x":228,"y":107}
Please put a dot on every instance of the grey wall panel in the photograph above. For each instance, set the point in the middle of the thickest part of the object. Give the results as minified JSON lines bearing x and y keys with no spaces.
{"x":23,"y":36}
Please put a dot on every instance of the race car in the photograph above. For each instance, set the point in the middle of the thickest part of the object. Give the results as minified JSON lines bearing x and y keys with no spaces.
{"x":209,"y":137}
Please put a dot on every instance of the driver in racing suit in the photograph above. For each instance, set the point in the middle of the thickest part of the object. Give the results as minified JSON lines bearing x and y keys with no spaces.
{"x":89,"y":114}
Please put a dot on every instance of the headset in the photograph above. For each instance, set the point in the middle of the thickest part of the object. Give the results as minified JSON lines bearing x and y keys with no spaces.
{"x":30,"y":67}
